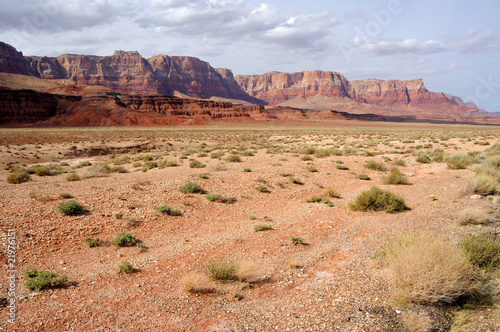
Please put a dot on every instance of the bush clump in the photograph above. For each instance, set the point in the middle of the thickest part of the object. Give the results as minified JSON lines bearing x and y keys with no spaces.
{"x":166,"y":209}
{"x":428,"y":269}
{"x":222,"y":270}
{"x":262,"y":189}
{"x":196,"y":283}
{"x":483,"y":250}
{"x":483,"y":184}
{"x":73,"y":177}
{"x":124,"y":239}
{"x":18,"y":176}
{"x":376,"y":166}
{"x":38,"y":279}
{"x":363,"y":177}
{"x":189,"y":187}
{"x":376,"y":199}
{"x":196,"y":164}
{"x":126,"y":267}
{"x":261,"y":228}
{"x":91,"y":242}
{"x":395,"y":177}
{"x":233,"y":158}
{"x":458,"y":161}
{"x":70,"y":208}
{"x":473,"y":215}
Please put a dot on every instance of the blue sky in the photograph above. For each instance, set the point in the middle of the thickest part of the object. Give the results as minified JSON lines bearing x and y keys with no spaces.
{"x":454,"y":46}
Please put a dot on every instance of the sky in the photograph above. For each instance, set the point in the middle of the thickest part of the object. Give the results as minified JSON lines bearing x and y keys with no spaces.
{"x":453,"y":45}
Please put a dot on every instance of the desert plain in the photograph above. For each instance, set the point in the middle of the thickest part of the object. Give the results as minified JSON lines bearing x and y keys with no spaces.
{"x":301,"y":264}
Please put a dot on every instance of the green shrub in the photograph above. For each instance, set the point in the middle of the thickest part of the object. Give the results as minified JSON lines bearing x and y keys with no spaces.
{"x":98,"y":170}
{"x":306,"y":158}
{"x":148,"y":165}
{"x":91,"y":242}
{"x":227,"y":199}
{"x":483,"y":250}
{"x":119,"y":169}
{"x":262,"y":189}
{"x":342,"y":167}
{"x":126,"y":267}
{"x":395,"y":177}
{"x":399,"y":162}
{"x":212,"y":197}
{"x":295,"y":180}
{"x":119,"y":215}
{"x":316,"y":199}
{"x":233,"y":158}
{"x":46,"y":170}
{"x":168,"y":162}
{"x":165,"y":209}
{"x":203,"y":176}
{"x":458,"y":161}
{"x":189,"y":187}
{"x":296,"y":240}
{"x":73,"y":177}
{"x":428,"y":269}
{"x":260,"y":228}
{"x":124,"y":239}
{"x":247,"y":170}
{"x":311,"y":169}
{"x":376,"y":166}
{"x":70,"y":208}
{"x":196,"y":164}
{"x":363,"y":177}
{"x":286,"y":174}
{"x":423,"y":158}
{"x":222,"y":270}
{"x":38,"y":279}
{"x":18,"y":177}
{"x":376,"y":199}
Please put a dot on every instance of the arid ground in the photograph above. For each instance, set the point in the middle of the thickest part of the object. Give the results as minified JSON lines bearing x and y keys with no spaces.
{"x":330,"y":282}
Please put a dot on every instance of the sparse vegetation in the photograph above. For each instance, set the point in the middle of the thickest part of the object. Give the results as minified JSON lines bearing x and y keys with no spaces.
{"x":260,"y":228}
{"x":196,"y":283}
{"x":124,"y":239}
{"x":18,"y":176}
{"x":475,"y":216}
{"x":483,"y":250}
{"x":166,"y":209}
{"x":39,"y":280}
{"x":316,"y":199}
{"x":91,"y":242}
{"x":363,"y":177}
{"x":262,"y":189}
{"x":126,"y":267}
{"x":395,"y":177}
{"x":376,"y":166}
{"x":70,"y":208}
{"x":222,"y":270}
{"x":428,"y":269}
{"x":296,"y":240}
{"x":190,"y":187}
{"x":376,"y":199}
{"x":330,"y":192}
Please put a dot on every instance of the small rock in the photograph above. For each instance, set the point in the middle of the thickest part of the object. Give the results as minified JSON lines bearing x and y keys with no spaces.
{"x":475,"y":197}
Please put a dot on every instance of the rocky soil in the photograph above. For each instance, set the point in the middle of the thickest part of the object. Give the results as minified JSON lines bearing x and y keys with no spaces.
{"x":336,"y":286}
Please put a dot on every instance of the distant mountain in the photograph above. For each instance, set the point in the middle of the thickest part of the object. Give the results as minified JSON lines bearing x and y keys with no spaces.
{"x":128,"y":73}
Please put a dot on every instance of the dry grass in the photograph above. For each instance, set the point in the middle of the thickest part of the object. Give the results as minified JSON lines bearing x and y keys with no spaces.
{"x":483,"y":184}
{"x":196,"y":283}
{"x":246,"y":271}
{"x":428,"y":269}
{"x":414,"y":322}
{"x":473,"y":215}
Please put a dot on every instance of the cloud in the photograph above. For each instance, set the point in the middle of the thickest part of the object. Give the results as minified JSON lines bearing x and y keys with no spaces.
{"x":473,"y":42}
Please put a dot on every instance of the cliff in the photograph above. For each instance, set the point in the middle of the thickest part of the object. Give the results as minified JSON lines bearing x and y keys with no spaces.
{"x":276,"y":88}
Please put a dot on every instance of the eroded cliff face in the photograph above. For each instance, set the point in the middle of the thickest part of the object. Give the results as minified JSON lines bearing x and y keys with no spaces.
{"x":276,"y":88}
{"x":12,"y":61}
{"x":23,"y":106}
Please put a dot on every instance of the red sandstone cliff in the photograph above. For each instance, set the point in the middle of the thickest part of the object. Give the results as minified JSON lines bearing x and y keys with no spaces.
{"x":276,"y":88}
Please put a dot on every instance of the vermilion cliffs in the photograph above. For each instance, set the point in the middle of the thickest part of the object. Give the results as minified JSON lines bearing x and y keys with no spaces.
{"x":127,"y":89}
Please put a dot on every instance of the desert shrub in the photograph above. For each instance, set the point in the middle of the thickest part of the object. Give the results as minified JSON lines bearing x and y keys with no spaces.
{"x":423,"y":158}
{"x":227,"y":199}
{"x":483,"y":184}
{"x":306,"y":158}
{"x":167,"y":162}
{"x":196,"y":283}
{"x":46,"y":170}
{"x":124,"y":239}
{"x":399,"y":162}
{"x":119,"y":169}
{"x":149,"y":165}
{"x":458,"y":161}
{"x":483,"y":250}
{"x":70,"y":208}
{"x":203,"y":176}
{"x":126,"y":267}
{"x":73,"y":177}
{"x":189,"y":187}
{"x":376,"y":199}
{"x":222,"y":270}
{"x":262,"y":189}
{"x":428,"y":269}
{"x":212,"y":197}
{"x":311,"y":169}
{"x":19,"y":176}
{"x":363,"y":177}
{"x":260,"y":228}
{"x":376,"y":166}
{"x":166,"y":209}
{"x":414,"y":322}
{"x":342,"y":167}
{"x":330,"y":192}
{"x":322,"y":153}
{"x":316,"y":199}
{"x":91,"y":242}
{"x":38,"y":279}
{"x":473,"y":216}
{"x":462,"y":321}
{"x":395,"y":177}
{"x":196,"y":164}
{"x":247,"y":170}
{"x":233,"y":158}
{"x":296,"y":240}
{"x":84,"y":163}
{"x":98,"y":170}
{"x":120,"y":160}
{"x":295,"y":180}
{"x":286,"y":174}
{"x":118,"y":215}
